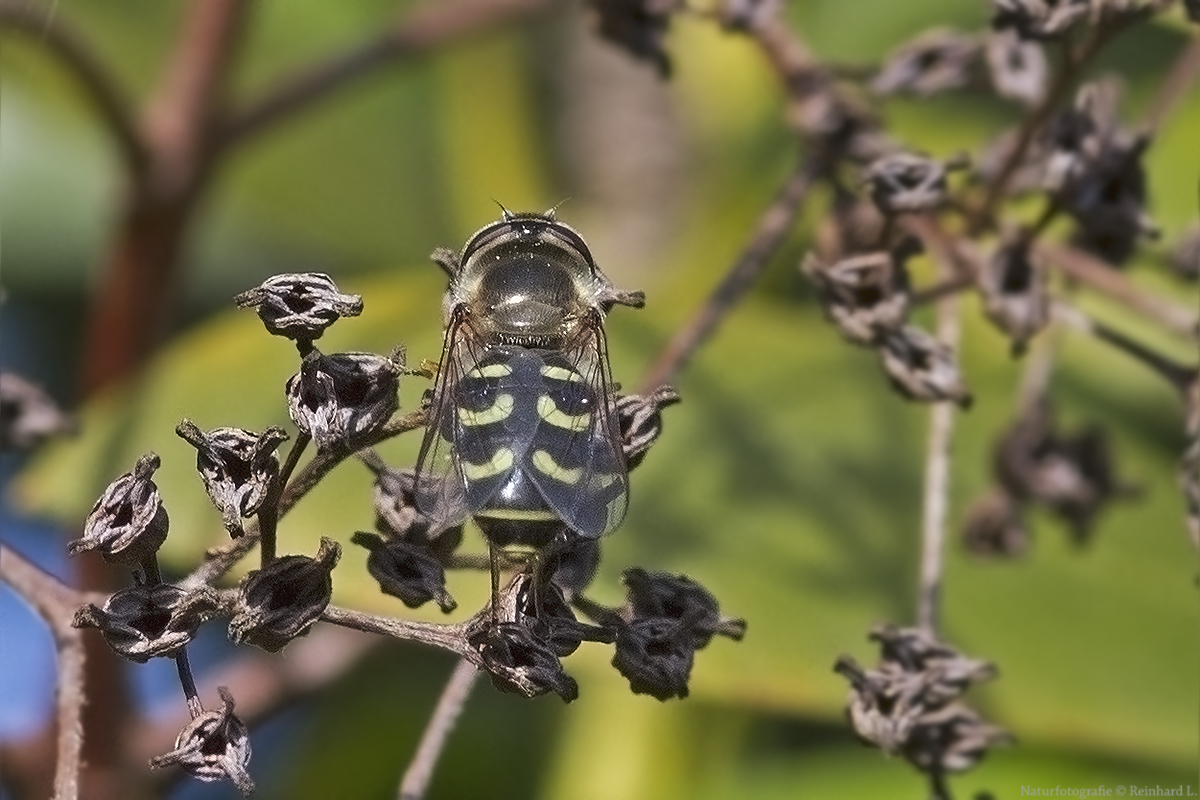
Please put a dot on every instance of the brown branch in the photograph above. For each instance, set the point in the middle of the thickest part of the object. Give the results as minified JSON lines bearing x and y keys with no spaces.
{"x":768,"y":235}
{"x":1175,"y":86}
{"x":417,"y":33}
{"x":56,"y":604}
{"x":131,"y":307}
{"x":1181,"y":376}
{"x":78,"y":57}
{"x":1098,"y":275}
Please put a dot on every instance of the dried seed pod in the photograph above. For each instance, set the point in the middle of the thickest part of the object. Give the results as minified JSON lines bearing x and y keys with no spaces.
{"x":128,"y":523}
{"x":903,"y":183}
{"x":640,"y":419}
{"x":397,"y":515}
{"x":679,"y":598}
{"x":952,"y":739}
{"x":666,"y":618}
{"x":300,"y":306}
{"x":520,"y":663}
{"x":337,"y":399}
{"x":655,"y":655}
{"x":284,"y":599}
{"x":1071,"y":474}
{"x":935,"y":61}
{"x":239,"y":468}
{"x":144,"y":622}
{"x":406,"y":570}
{"x":1017,"y":67}
{"x":909,"y":705}
{"x":544,"y":610}
{"x":864,"y":295}
{"x":638,"y":27}
{"x":28,"y":416}
{"x":213,"y":746}
{"x":1038,"y":19}
{"x":1013,"y":286}
{"x":922,"y":368}
{"x":995,"y":526}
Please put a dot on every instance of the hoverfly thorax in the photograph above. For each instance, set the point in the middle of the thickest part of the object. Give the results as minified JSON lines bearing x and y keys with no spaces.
{"x":527,"y":280}
{"x":523,"y":435}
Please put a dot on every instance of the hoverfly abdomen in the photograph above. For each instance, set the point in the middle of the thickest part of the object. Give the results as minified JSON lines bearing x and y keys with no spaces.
{"x":533,"y":449}
{"x":523,"y":436}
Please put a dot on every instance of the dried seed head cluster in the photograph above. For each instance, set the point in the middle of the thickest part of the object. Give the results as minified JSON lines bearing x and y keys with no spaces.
{"x":866,"y":296}
{"x":1070,"y":474}
{"x":342,"y":402}
{"x":910,"y":705}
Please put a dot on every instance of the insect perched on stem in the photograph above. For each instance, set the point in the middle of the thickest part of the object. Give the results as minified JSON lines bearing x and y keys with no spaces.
{"x":523,"y":436}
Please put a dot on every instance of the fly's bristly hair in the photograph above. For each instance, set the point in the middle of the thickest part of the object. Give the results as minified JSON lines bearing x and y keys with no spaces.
{"x":523,"y":435}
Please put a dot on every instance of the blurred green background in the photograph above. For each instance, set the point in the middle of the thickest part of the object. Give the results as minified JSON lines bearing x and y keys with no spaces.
{"x":788,"y":482}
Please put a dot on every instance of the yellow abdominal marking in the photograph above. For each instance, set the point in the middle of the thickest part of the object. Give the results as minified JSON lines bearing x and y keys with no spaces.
{"x":502,"y":461}
{"x":546,"y":464}
{"x":550,"y":413}
{"x":560,"y":373}
{"x":533,"y":515}
{"x":491,"y":371}
{"x":496,"y":412}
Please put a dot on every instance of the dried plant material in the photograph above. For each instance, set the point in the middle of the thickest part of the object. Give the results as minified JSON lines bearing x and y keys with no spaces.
{"x":935,"y":61}
{"x":909,"y":704}
{"x":238,"y":467}
{"x":1017,"y":67}
{"x":284,"y":599}
{"x":906,"y":183}
{"x":128,"y":523}
{"x":28,"y":416}
{"x":214,"y":746}
{"x":338,"y":399}
{"x":922,"y":368}
{"x":1013,"y":286}
{"x":300,"y":306}
{"x":866,"y":295}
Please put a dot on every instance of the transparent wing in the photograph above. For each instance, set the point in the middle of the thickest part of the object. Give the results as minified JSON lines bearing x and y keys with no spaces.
{"x":574,"y":456}
{"x":440,"y":491}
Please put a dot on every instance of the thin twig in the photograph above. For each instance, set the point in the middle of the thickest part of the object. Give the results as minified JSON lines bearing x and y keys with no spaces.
{"x":447,"y":637}
{"x":935,"y":507}
{"x":1098,"y":275}
{"x":449,"y":706}
{"x":1175,"y":86}
{"x":768,"y":235}
{"x":77,"y":55}
{"x":56,"y":603}
{"x":1178,"y":375}
{"x":419,"y":32}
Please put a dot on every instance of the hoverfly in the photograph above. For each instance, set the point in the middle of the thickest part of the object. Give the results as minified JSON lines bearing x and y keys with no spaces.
{"x":523,"y":435}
